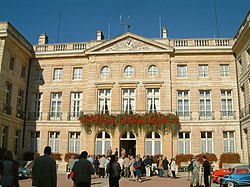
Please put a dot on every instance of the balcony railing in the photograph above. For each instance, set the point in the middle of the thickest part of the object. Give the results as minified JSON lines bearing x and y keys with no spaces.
{"x":20,"y":114}
{"x":227,"y":115}
{"x":74,"y":116}
{"x":185,"y":115}
{"x":55,"y":116}
{"x":7,"y":109}
{"x":33,"y":116}
{"x":60,"y":47}
{"x":245,"y":111}
{"x":206,"y":115}
{"x":210,"y":42}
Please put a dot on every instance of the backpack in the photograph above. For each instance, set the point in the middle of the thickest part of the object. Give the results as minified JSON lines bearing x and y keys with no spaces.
{"x":190,"y":166}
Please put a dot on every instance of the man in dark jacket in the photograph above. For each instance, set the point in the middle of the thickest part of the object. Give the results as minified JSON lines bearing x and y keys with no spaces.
{"x":83,"y":170}
{"x":207,"y":171}
{"x":165,"y":164}
{"x":44,"y":170}
{"x":114,"y":171}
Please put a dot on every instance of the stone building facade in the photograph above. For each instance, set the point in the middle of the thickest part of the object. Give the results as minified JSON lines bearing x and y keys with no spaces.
{"x":241,"y":49}
{"x":194,"y":78}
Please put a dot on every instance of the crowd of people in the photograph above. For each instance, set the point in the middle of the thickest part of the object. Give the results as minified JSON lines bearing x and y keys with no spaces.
{"x":109,"y":166}
{"x":129,"y":166}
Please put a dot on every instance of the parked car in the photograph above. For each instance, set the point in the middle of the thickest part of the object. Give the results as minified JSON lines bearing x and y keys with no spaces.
{"x":240,"y":176}
{"x":217,"y":174}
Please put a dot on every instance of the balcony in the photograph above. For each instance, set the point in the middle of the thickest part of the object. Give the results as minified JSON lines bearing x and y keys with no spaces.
{"x":206,"y":115}
{"x":74,"y":116}
{"x":184,"y":116}
{"x":34,"y":116}
{"x":245,"y":111}
{"x":7,"y":109}
{"x":228,"y":115}
{"x":20,"y":114}
{"x":55,"y":116}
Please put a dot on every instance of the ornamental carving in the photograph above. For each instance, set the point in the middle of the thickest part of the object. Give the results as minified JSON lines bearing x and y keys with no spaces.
{"x":130,"y":45}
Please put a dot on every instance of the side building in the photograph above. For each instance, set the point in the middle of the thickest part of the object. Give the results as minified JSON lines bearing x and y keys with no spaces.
{"x":15,"y":55}
{"x":241,"y":49}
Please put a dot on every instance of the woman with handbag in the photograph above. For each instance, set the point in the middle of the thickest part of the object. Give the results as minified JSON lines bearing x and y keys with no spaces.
{"x":137,"y":166}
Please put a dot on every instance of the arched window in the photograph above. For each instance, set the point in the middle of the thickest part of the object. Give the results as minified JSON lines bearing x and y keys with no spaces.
{"x":128,"y":136}
{"x":102,"y":143}
{"x":153,"y":144}
{"x":128,"y":71}
{"x":105,"y":71}
{"x":152,"y":70}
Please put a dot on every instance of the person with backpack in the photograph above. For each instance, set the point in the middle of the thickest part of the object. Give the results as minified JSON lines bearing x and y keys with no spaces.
{"x":194,"y":169}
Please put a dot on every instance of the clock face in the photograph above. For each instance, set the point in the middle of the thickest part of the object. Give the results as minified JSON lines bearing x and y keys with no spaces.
{"x":129,"y":42}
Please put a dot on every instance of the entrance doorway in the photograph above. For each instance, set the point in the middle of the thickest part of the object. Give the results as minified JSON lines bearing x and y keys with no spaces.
{"x":128,"y":142}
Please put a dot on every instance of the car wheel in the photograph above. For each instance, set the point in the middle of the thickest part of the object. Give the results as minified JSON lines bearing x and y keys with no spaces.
{"x":230,"y":184}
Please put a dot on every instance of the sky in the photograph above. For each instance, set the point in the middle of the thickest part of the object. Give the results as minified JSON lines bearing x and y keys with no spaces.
{"x":78,"y":20}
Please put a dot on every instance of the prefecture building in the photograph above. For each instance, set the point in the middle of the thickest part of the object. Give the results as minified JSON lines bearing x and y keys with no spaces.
{"x":45,"y":88}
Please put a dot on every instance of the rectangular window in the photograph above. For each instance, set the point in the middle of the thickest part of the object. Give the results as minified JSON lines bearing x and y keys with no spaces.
{"x":181,"y":70}
{"x":23,"y":72}
{"x":3,"y":137}
{"x":74,"y":142}
{"x":20,"y":99}
{"x":56,"y":106}
{"x":36,"y":106}
{"x":153,"y":99}
{"x":11,"y":63}
{"x":16,"y":146}
{"x":104,"y":100}
{"x":183,"y":104}
{"x":207,"y":142}
{"x":54,"y":141}
{"x":184,"y":143}
{"x":77,"y":73}
{"x":128,"y":100}
{"x":39,"y":75}
{"x":203,"y":70}
{"x":34,"y":141}
{"x":75,"y":105}
{"x":205,"y":104}
{"x":57,"y":74}
{"x":8,"y":95}
{"x":227,"y":104}
{"x":224,"y":70}
{"x":229,"y":141}
{"x":20,"y":103}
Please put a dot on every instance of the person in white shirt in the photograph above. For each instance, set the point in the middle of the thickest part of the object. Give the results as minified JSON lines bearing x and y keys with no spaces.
{"x":195,"y":172}
{"x":173,"y":167}
{"x":121,"y":162}
{"x":102,"y":166}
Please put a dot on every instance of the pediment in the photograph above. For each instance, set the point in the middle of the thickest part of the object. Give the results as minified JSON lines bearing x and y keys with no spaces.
{"x":129,"y":43}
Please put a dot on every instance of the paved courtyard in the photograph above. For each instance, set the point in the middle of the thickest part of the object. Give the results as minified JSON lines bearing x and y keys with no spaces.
{"x":154,"y":181}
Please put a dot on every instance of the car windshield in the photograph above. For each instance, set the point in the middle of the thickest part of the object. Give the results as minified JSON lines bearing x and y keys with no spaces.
{"x":241,"y":169}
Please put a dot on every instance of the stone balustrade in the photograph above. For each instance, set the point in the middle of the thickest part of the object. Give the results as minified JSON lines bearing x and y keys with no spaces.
{"x":177,"y":43}
{"x":201,"y":42}
{"x":60,"y":47}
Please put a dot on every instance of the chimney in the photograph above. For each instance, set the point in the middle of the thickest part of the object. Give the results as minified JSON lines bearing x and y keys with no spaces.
{"x":99,"y":35}
{"x":164,"y":32}
{"x":42,"y":39}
